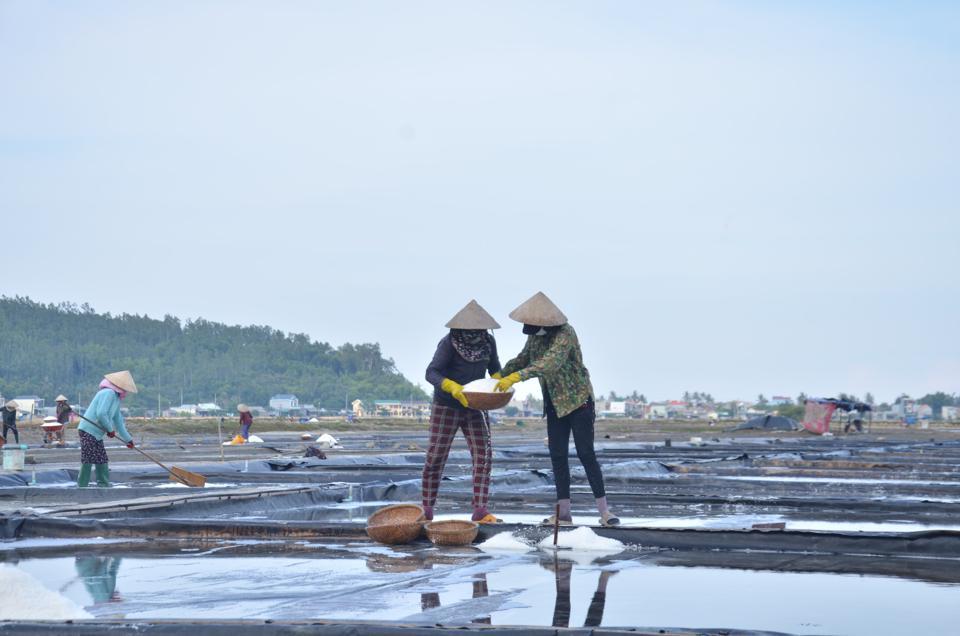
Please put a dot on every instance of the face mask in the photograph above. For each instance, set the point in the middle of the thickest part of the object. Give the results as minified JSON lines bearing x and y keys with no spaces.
{"x":534,"y":330}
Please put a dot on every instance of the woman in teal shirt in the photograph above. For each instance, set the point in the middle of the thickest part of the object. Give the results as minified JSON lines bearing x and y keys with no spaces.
{"x":104,"y":412}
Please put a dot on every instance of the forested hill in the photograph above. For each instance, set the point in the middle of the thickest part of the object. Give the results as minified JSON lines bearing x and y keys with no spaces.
{"x":65,"y":348}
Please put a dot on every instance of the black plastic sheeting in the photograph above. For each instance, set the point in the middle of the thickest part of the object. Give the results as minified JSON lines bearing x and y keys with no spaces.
{"x":769,"y":423}
{"x":43,"y":477}
{"x":274,"y":628}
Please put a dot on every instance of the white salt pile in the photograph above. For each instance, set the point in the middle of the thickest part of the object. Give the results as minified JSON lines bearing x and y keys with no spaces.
{"x":253,"y":439}
{"x":483,"y":385}
{"x":583,"y":538}
{"x":25,"y":598}
{"x":328,"y":441}
{"x":504,"y":541}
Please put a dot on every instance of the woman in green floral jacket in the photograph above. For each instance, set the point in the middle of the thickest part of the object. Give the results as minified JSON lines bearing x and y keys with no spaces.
{"x":552,"y":354}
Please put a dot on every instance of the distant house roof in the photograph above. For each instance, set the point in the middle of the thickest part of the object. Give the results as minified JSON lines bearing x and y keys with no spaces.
{"x":386,"y":402}
{"x":284,"y":396}
{"x":208,"y":406}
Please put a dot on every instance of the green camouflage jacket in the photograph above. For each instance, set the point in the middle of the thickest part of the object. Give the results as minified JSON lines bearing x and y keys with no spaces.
{"x":557,"y":361}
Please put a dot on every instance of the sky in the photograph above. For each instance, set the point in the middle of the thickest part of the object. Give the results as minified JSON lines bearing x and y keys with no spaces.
{"x":730,"y":197}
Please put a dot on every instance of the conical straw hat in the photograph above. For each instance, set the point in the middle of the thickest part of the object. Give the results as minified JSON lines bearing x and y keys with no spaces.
{"x":62,"y":398}
{"x":539,"y":311}
{"x":12,"y":405}
{"x":473,"y":316}
{"x":122,"y":379}
{"x":243,"y":408}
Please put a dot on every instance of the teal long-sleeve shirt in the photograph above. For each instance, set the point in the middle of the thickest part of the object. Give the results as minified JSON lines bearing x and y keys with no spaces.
{"x":104,"y":409}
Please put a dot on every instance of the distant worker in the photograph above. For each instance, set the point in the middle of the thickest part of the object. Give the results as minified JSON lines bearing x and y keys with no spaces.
{"x":552,"y":354}
{"x":463,"y":355}
{"x":64,"y":411}
{"x":246,"y":421}
{"x":10,"y":421}
{"x":854,"y":420}
{"x":104,"y":418}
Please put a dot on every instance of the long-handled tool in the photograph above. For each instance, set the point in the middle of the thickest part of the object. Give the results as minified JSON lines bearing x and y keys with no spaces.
{"x":185,"y":477}
{"x":556,"y":531}
{"x":556,"y":526}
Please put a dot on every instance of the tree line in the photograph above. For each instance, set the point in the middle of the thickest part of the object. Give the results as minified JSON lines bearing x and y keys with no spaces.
{"x":46,"y":349}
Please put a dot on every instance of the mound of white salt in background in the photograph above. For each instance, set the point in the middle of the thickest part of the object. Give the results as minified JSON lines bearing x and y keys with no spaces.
{"x":25,"y":598}
{"x":583,"y":538}
{"x":504,"y":541}
{"x":483,"y":385}
{"x":328,"y":441}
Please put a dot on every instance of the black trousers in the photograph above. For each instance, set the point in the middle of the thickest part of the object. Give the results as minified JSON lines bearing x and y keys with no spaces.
{"x":580,"y":423}
{"x":12,"y":427}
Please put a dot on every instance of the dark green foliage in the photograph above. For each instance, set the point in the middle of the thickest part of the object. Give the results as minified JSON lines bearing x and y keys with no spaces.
{"x":791,"y":410}
{"x":939,"y":400}
{"x":50,"y":349}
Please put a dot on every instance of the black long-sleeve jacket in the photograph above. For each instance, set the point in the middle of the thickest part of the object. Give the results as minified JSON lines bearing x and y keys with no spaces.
{"x":447,"y":363}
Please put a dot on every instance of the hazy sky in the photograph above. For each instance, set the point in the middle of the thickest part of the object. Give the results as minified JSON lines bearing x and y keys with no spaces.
{"x":735,"y":197}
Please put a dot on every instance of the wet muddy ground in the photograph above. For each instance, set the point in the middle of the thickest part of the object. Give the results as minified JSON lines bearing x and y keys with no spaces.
{"x":870,"y":526}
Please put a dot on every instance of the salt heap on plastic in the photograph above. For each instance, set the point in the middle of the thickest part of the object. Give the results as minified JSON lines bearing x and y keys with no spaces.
{"x":483,"y":385}
{"x":504,"y":541}
{"x":328,"y":441}
{"x":583,"y":538}
{"x":25,"y":598}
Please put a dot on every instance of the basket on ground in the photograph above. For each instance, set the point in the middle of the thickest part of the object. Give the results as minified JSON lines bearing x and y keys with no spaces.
{"x":452,"y":532}
{"x":487,"y":401}
{"x":396,"y":524}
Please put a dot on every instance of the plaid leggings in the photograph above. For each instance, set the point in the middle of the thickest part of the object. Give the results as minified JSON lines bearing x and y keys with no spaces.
{"x":444,"y":422}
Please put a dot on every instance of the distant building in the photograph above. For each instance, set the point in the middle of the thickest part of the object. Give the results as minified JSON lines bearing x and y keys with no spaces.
{"x":396,"y":408}
{"x":30,"y":404}
{"x":780,"y":400}
{"x":183,"y":409}
{"x":614,"y":408}
{"x":657,"y":411}
{"x":284,"y":402}
{"x":950,"y":413}
{"x":208,"y":408}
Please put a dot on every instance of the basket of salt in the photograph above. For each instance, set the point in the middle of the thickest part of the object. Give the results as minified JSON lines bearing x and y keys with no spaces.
{"x":396,"y":524}
{"x":483,"y":396}
{"x":452,"y":532}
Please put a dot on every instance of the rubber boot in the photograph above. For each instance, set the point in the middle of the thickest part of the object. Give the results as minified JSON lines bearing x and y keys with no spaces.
{"x":83,"y":479}
{"x":103,"y":475}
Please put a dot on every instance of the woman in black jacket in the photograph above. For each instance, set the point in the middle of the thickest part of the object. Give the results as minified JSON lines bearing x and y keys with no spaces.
{"x":463,"y":355}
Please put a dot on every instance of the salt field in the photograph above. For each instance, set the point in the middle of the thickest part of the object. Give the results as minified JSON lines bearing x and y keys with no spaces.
{"x":277,"y":537}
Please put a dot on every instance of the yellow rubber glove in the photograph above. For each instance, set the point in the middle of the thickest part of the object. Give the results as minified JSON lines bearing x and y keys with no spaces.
{"x":496,"y":376}
{"x":454,"y":389}
{"x":505,"y":383}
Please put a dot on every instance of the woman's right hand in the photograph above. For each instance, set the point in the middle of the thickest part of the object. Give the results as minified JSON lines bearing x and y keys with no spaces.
{"x":455,"y":390}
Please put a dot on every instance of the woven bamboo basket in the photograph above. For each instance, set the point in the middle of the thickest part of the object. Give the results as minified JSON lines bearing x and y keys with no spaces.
{"x":451,"y":532}
{"x":487,"y":401}
{"x":396,"y":524}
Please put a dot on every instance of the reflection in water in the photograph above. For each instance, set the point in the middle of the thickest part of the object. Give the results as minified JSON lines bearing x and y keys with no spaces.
{"x":480,"y":590}
{"x":99,"y":576}
{"x":431,"y":600}
{"x":562,"y":571}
